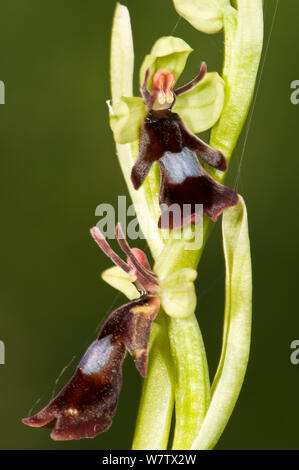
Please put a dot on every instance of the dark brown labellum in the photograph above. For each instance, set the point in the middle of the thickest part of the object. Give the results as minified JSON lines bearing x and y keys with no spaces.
{"x":87,"y":403}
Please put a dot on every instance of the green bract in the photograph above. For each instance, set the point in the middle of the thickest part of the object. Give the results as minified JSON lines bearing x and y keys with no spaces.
{"x":199,"y":108}
{"x":237,"y":326}
{"x":168,"y":52}
{"x":205,"y":15}
{"x":122,"y":55}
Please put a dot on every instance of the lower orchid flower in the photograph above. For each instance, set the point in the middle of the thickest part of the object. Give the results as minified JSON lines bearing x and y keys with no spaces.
{"x":87,"y":403}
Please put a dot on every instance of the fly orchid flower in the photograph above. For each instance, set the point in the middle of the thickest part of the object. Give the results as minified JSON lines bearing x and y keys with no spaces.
{"x":164,"y":138}
{"x":87,"y":403}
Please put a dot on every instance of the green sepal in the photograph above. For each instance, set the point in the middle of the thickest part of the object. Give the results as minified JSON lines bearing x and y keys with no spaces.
{"x":118,"y":279}
{"x":201,"y":107}
{"x":168,"y":52}
{"x":205,"y":15}
{"x":125,"y":119}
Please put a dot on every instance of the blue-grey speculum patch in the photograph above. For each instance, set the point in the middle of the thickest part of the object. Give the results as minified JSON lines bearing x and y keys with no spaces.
{"x":181,"y":165}
{"x":96,"y":356}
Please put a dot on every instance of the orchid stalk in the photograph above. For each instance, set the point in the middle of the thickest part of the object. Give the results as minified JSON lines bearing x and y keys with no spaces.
{"x":181,"y":371}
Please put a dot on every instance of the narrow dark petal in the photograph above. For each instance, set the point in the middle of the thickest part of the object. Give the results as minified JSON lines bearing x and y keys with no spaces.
{"x":146,"y":95}
{"x":142,"y":273}
{"x":102,"y":243}
{"x":150,"y":150}
{"x":194,"y":82}
{"x":87,"y":403}
{"x":143,"y":278}
{"x":141,"y":258}
{"x":139,"y":172}
{"x":160,"y":131}
{"x":212,"y":156}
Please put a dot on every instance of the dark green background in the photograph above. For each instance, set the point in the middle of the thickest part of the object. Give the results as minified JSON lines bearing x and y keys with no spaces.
{"x":58,"y":163}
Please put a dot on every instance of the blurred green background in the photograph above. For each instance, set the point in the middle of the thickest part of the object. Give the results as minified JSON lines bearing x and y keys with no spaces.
{"x":58,"y":163}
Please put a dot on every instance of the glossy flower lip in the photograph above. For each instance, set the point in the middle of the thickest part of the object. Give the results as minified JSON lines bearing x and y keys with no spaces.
{"x":87,"y":403}
{"x":163,"y":137}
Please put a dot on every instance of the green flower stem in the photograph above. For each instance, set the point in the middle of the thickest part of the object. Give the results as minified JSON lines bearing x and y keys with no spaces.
{"x":192,"y":379}
{"x":192,"y":386}
{"x":176,"y":254}
{"x":157,"y":398}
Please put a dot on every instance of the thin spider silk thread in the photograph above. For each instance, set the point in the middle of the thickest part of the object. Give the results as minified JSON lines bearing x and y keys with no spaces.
{"x":238,"y":175}
{"x":175,"y":26}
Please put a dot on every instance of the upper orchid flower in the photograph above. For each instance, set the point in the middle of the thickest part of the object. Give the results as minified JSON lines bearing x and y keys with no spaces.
{"x":165,"y":138}
{"x":87,"y":403}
